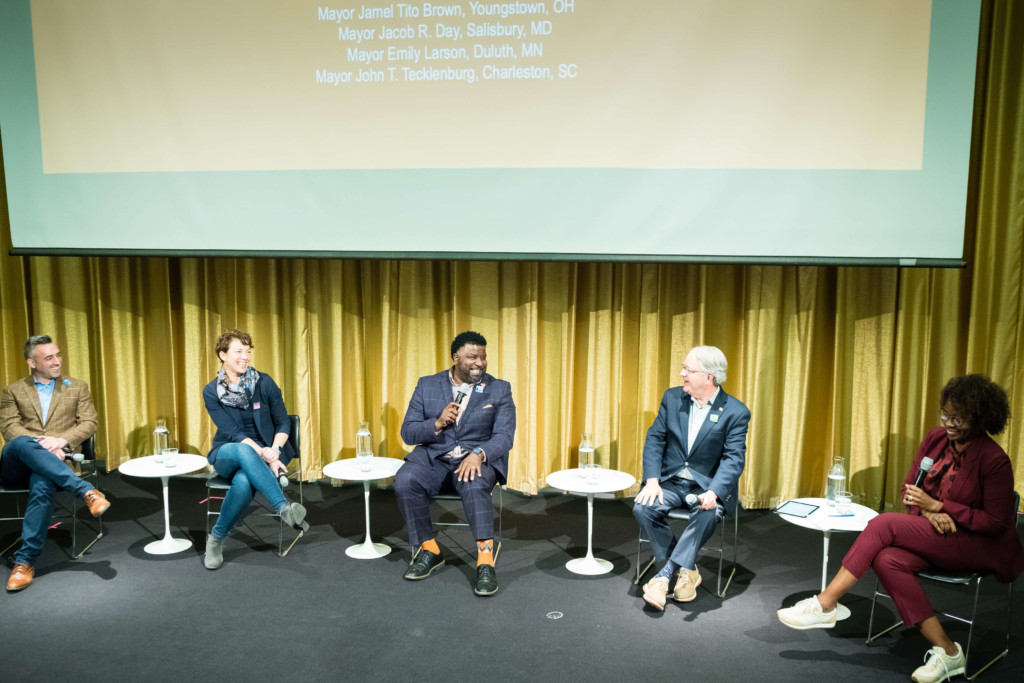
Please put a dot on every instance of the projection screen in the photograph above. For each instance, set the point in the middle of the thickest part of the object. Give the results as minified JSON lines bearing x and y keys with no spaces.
{"x":806,"y":131}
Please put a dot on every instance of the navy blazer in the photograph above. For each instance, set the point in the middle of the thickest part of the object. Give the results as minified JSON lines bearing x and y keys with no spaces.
{"x":719,"y":452}
{"x":268,"y":410}
{"x":489,"y":421}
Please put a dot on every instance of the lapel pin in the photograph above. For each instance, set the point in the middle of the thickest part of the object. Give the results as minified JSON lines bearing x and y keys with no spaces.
{"x":713,"y":417}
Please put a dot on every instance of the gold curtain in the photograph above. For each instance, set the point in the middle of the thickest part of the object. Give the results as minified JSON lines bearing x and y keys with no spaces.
{"x":831,"y":361}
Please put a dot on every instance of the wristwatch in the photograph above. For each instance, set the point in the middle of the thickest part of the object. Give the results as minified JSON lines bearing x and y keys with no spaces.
{"x":479,"y":451}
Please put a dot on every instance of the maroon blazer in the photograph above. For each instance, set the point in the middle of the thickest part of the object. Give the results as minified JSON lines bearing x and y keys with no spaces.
{"x":980,"y":500}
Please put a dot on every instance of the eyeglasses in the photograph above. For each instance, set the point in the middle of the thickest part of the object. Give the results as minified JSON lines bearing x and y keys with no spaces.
{"x":688,"y":371}
{"x":952,"y":421}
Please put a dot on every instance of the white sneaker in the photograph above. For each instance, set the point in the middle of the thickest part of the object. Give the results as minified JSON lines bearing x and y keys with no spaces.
{"x":807,"y":614}
{"x":938,"y":666}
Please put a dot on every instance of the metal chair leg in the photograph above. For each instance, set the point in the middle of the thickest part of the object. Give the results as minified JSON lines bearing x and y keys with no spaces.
{"x":871,"y":617}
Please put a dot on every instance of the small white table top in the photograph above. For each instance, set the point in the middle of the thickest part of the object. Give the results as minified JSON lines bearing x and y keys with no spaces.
{"x":827,"y":518}
{"x":380,"y":468}
{"x":606,"y":481}
{"x":147,"y":466}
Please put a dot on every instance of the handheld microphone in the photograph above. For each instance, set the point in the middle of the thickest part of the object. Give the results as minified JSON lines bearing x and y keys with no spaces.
{"x":283,"y":481}
{"x":461,"y":395}
{"x":926,"y":464}
{"x":78,"y":457}
{"x":692,"y":500}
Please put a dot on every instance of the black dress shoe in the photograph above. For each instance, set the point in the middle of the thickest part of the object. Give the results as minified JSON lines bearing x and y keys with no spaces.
{"x":424,"y":565}
{"x":486,"y":580}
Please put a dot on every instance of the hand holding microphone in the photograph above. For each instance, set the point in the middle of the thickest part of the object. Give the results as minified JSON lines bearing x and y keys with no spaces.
{"x":913,"y":494}
{"x":694,"y":500}
{"x":451,"y":411}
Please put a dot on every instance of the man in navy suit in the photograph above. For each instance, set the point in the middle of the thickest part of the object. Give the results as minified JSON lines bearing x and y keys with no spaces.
{"x":462,"y":422}
{"x":697,"y":447}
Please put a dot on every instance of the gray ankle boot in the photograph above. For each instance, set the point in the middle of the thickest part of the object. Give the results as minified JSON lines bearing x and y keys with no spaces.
{"x":294,"y":515}
{"x":214,"y":552}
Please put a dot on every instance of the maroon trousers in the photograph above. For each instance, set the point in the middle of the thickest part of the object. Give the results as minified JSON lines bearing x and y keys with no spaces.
{"x":896,"y":545}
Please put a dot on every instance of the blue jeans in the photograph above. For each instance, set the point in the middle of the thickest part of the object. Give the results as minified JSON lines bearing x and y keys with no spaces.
{"x":24,"y":463}
{"x":653,"y":519}
{"x":245,"y":469}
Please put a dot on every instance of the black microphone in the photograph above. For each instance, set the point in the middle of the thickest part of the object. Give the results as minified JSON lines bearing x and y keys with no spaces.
{"x":926,"y":464}
{"x":462,"y":393}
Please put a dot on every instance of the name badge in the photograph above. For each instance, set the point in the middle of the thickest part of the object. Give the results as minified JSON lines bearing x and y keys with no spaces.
{"x":256,"y":405}
{"x":480,"y":388}
{"x":713,"y":417}
{"x":67,"y":383}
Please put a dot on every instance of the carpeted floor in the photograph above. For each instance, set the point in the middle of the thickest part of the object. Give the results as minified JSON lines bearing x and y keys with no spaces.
{"x":119,"y":613}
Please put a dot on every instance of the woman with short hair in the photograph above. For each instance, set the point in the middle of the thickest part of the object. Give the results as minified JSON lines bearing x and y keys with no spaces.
{"x":250,"y":448}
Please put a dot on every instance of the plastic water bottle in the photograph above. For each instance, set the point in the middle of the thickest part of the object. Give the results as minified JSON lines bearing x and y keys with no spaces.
{"x":161,"y":438}
{"x":585,"y":454}
{"x":836,"y":480}
{"x":364,"y":447}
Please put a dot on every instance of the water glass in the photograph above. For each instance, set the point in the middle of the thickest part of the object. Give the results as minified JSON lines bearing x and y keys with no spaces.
{"x":591,"y":472}
{"x":844,"y":499}
{"x":170,"y":457}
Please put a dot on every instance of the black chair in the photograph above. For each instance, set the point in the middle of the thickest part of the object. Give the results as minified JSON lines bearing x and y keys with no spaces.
{"x":684,"y":514}
{"x":966,"y":579}
{"x":452,"y":496}
{"x":219,"y":485}
{"x":87,"y":462}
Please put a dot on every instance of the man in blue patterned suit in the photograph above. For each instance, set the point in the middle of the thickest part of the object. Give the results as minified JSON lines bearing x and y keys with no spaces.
{"x":462,"y":422}
{"x":696,"y":447}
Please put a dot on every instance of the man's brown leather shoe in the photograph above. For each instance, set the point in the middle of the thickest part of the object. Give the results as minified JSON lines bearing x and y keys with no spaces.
{"x":656,"y":592}
{"x":21,"y":577}
{"x":686,"y":585}
{"x":96,"y":502}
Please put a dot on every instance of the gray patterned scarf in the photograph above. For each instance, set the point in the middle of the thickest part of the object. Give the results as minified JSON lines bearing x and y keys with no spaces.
{"x":237,"y":395}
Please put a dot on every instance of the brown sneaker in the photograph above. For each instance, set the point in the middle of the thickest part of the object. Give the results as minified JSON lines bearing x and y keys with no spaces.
{"x":21,"y":577}
{"x":686,"y":585}
{"x":656,"y":592}
{"x":96,"y":502}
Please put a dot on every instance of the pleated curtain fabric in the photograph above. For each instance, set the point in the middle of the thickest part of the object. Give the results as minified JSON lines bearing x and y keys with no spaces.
{"x":831,"y":361}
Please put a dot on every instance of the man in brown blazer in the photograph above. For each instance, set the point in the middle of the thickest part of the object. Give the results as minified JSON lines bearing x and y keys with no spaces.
{"x":43,"y":419}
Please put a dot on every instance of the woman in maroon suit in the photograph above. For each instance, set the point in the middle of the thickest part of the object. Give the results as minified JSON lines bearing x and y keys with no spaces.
{"x":960,"y":518}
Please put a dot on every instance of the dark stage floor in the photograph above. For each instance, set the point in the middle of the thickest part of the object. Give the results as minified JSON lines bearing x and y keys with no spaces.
{"x":119,"y":613}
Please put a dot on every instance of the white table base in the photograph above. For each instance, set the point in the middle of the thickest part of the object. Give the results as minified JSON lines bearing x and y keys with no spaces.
{"x":589,"y":565}
{"x":843,"y":610}
{"x":167,"y":545}
{"x":367,"y":550}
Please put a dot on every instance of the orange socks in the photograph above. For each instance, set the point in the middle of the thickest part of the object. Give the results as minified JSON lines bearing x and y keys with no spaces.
{"x":485,"y":552}
{"x":431,"y":546}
